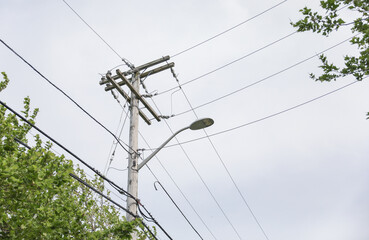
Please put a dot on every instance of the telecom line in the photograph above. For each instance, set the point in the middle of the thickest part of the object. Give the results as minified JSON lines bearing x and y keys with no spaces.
{"x":65,"y":94}
{"x":263,"y":79}
{"x":179,"y":189}
{"x":199,"y":175}
{"x":121,"y":190}
{"x":229,"y":29}
{"x":247,"y":55}
{"x":28,"y":147}
{"x":183,"y":195}
{"x":175,"y":204}
{"x":111,"y":200}
{"x":128,"y":63}
{"x":98,"y":192}
{"x":223,"y":163}
{"x":263,"y":118}
{"x":230,"y":63}
{"x":110,"y":158}
{"x":114,"y":185}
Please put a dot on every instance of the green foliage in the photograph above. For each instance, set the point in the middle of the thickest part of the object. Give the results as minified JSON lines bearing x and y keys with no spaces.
{"x":4,"y":84}
{"x":38,"y":198}
{"x":357,"y":66}
{"x":354,"y":65}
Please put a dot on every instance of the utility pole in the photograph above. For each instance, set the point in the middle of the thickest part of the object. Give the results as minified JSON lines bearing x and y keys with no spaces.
{"x":133,"y":84}
{"x":132,"y":183}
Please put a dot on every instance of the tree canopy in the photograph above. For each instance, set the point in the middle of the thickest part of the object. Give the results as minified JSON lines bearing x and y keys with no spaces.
{"x":38,"y":198}
{"x":355,"y":64}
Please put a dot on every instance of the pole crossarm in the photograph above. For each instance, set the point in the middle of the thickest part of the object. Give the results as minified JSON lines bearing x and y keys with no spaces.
{"x":125,"y":95}
{"x":144,"y":74}
{"x":139,"y":68}
{"x":147,"y":65}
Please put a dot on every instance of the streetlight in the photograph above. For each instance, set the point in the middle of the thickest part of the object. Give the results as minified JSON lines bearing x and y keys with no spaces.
{"x":196,"y":125}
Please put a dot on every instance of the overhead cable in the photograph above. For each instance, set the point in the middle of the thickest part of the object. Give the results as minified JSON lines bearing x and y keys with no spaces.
{"x":247,"y":55}
{"x":120,"y":190}
{"x":151,"y":218}
{"x":200,"y":177}
{"x":223,"y":163}
{"x":263,"y":79}
{"x":229,"y":29}
{"x":264,"y":118}
{"x":65,"y":94}
{"x":178,"y":188}
{"x":175,"y":204}
{"x":228,"y":64}
{"x":112,"y":201}
{"x":128,"y":63}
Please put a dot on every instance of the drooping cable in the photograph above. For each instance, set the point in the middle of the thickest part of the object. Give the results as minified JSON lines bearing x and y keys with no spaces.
{"x":115,"y":144}
{"x":128,"y":63}
{"x":229,"y":29}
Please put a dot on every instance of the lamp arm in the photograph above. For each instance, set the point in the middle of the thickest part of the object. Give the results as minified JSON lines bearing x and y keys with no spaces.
{"x":159,"y":148}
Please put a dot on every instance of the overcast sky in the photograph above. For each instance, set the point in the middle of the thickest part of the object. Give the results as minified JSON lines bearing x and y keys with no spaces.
{"x":303,"y":173}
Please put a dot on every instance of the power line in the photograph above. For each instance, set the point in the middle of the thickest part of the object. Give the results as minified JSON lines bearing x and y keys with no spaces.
{"x":238,"y":59}
{"x":266,"y":117}
{"x":199,"y":175}
{"x":230,"y":63}
{"x":65,"y":94}
{"x":229,"y":29}
{"x":222,"y":162}
{"x":99,"y":193}
{"x":114,"y":185}
{"x":111,"y":200}
{"x":182,"y":193}
{"x":263,"y":79}
{"x":121,"y":190}
{"x":128,"y":63}
{"x":175,"y":204}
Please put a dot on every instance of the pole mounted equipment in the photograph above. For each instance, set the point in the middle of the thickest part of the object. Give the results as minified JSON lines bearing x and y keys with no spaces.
{"x":196,"y":125}
{"x":131,"y":79}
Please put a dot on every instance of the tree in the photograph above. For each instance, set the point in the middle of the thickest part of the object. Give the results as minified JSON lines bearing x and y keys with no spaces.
{"x":355,"y":65}
{"x":38,"y":198}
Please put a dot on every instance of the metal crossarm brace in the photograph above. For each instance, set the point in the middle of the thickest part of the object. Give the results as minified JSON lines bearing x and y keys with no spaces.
{"x":145,"y":74}
{"x":134,"y":91}
{"x":125,"y":95}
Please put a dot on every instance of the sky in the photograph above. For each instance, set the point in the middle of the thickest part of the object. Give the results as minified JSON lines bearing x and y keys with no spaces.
{"x":303,"y":172}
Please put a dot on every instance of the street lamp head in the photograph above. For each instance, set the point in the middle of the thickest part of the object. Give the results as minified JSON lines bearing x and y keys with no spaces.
{"x":201,"y":123}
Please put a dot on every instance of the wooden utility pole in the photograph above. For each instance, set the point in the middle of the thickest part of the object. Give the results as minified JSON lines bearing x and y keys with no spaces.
{"x":133,"y":84}
{"x":132,"y":183}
